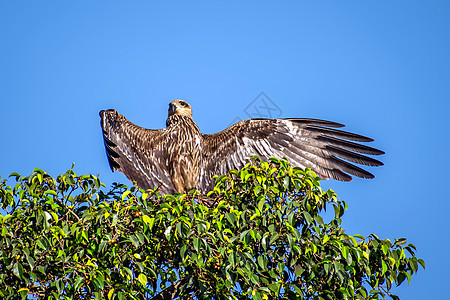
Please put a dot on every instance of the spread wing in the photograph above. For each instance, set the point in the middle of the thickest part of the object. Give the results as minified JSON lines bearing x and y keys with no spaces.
{"x":307,"y":143}
{"x":137,"y":152}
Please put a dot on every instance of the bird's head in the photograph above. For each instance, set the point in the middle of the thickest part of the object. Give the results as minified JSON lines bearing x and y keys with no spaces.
{"x":181,"y":108}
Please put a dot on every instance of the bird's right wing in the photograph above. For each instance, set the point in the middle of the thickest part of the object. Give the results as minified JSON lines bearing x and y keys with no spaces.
{"x":307,"y":143}
{"x":137,"y":152}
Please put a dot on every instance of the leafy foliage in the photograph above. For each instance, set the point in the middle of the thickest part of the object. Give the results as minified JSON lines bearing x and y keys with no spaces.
{"x":258,"y":235}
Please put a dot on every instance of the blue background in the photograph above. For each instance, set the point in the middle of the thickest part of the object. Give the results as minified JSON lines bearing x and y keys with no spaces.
{"x":381,"y":67}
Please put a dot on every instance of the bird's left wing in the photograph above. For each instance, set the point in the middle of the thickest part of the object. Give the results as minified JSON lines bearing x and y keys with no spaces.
{"x":307,"y":143}
{"x":137,"y":152}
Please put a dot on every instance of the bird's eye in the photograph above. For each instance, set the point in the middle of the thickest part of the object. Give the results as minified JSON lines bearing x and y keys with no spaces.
{"x":183,"y":103}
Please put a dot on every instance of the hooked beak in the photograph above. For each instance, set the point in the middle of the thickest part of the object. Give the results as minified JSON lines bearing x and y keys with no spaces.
{"x":172,"y":108}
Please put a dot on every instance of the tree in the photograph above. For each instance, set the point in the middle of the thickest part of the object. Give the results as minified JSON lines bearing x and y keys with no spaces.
{"x":258,"y":235}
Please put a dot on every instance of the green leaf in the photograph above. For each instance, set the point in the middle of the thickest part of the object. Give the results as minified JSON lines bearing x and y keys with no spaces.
{"x":231,"y":218}
{"x":115,"y":219}
{"x":254,"y":279}
{"x":100,"y":280}
{"x":179,"y":227}
{"x":344,"y":251}
{"x":110,"y":294}
{"x":196,"y":243}
{"x":30,"y":261}
{"x":26,"y":290}
{"x":167,"y":232}
{"x":401,"y":277}
{"x":41,"y":243}
{"x":15,"y":174}
{"x":183,"y":252}
{"x":275,"y":287}
{"x":151,"y":222}
{"x":261,"y":204}
{"x":135,"y":241}
{"x":147,"y":219}
{"x":51,"y":192}
{"x":394,"y":297}
{"x":307,"y":216}
{"x":142,"y":279}
{"x":400,"y":241}
{"x":352,"y":239}
{"x":384,"y":267}
{"x":120,"y":296}
{"x":18,"y":270}
{"x":256,"y":295}
{"x":274,"y":238}
{"x":125,"y":194}
{"x":78,"y":282}
{"x":408,"y":276}
{"x":327,"y":268}
{"x":422,"y":263}
{"x":262,"y":261}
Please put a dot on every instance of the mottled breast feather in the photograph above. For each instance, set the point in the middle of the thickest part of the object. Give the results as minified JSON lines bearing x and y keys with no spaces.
{"x":184,"y":149}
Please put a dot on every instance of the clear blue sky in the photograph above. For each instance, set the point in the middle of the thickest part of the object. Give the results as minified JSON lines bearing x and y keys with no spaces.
{"x":381,"y":67}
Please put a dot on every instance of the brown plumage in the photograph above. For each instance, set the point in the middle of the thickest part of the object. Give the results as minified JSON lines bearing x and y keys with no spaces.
{"x":179,"y":158}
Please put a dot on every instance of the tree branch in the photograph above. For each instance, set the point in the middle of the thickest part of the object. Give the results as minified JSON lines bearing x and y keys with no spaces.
{"x":172,"y":291}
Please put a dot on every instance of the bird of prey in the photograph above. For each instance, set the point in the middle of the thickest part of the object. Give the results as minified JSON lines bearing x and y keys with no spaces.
{"x":179,"y":157}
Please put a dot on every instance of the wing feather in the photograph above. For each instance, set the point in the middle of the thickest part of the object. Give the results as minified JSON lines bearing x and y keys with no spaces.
{"x":311,"y":143}
{"x":137,"y":152}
